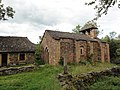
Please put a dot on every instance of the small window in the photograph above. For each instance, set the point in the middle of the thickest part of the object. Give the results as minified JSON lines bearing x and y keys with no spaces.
{"x":22,"y":56}
{"x":81,"y":50}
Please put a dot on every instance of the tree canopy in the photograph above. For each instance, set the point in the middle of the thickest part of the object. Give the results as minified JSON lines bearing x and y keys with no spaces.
{"x":6,"y":12}
{"x":114,"y":44}
{"x":102,"y":6}
{"x":76,"y":29}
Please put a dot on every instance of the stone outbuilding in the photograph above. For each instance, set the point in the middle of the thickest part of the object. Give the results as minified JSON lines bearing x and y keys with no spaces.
{"x":73,"y":47}
{"x":16,"y":50}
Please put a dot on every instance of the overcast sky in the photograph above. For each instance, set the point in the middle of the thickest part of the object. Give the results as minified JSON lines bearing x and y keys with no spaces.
{"x":33,"y":17}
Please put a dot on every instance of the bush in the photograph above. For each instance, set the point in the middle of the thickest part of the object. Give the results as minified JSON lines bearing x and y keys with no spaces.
{"x":39,"y":62}
{"x":115,"y":60}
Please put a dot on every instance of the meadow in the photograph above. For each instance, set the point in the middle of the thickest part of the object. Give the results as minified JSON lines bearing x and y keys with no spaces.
{"x":45,"y":78}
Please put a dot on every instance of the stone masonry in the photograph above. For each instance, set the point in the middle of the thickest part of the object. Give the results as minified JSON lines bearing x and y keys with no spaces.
{"x":73,"y":47}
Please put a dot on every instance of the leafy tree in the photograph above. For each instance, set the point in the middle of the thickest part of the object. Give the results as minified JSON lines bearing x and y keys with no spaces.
{"x":6,"y":12}
{"x":106,"y":39}
{"x":114,"y":44}
{"x":112,"y":35}
{"x":102,"y":6}
{"x":76,"y":29}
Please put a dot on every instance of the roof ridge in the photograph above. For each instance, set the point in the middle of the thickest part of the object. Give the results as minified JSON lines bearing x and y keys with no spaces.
{"x":12,"y":37}
{"x":61,"y":31}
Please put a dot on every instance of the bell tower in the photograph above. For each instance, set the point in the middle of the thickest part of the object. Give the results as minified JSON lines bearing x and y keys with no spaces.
{"x":90,"y":30}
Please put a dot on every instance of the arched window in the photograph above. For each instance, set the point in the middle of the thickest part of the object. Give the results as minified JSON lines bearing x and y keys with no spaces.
{"x":46,"y":55}
{"x":81,"y":50}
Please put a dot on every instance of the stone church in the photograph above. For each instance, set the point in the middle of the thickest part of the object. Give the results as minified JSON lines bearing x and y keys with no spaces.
{"x":73,"y":47}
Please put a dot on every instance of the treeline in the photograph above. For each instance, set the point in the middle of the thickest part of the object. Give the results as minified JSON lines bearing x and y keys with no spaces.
{"x":114,"y":44}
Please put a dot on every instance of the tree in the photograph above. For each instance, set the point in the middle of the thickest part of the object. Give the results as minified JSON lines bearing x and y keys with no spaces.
{"x":106,"y":39}
{"x":6,"y":12}
{"x":114,"y":44}
{"x":76,"y":29}
{"x":112,"y":35}
{"x":102,"y":6}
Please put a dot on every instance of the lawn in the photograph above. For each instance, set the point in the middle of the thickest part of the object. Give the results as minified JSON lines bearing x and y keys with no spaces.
{"x":44,"y":78}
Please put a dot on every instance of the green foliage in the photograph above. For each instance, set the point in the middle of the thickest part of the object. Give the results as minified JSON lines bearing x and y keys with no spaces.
{"x":112,"y":35}
{"x":76,"y":29}
{"x":8,"y":11}
{"x":38,"y":60}
{"x":107,"y":83}
{"x":114,"y":45}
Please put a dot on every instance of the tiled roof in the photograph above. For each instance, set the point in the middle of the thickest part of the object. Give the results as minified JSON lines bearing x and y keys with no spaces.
{"x":67,"y":35}
{"x":16,"y":44}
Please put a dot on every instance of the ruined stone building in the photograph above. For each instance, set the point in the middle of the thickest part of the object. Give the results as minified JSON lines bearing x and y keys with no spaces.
{"x":16,"y":50}
{"x":73,"y":47}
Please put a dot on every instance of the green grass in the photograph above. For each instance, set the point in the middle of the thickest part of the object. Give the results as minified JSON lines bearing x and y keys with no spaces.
{"x":107,"y":83}
{"x":89,"y":68}
{"x":44,"y":78}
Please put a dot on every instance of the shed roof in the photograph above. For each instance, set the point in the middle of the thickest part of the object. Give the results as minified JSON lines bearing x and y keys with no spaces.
{"x":16,"y":44}
{"x":67,"y":35}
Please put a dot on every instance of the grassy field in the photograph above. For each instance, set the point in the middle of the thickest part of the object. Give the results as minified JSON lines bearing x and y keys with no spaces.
{"x":89,"y":68}
{"x":107,"y":83}
{"x":44,"y":78}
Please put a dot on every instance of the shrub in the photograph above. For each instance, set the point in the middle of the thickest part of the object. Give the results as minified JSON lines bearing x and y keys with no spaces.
{"x":38,"y":60}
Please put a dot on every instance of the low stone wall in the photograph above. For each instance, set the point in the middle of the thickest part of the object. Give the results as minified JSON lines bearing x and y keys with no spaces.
{"x":83,"y":81}
{"x":15,"y":70}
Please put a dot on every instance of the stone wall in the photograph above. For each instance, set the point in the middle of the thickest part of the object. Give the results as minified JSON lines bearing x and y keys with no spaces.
{"x":13,"y":59}
{"x":83,"y":81}
{"x":67,"y":50}
{"x":53,"y":47}
{"x":15,"y":70}
{"x":70,"y":50}
{"x":30,"y":58}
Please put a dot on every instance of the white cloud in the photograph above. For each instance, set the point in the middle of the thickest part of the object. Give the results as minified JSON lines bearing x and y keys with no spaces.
{"x":32,"y":17}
